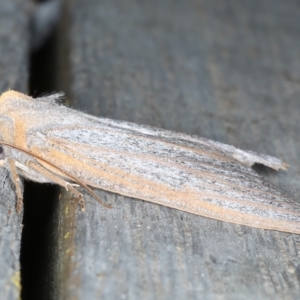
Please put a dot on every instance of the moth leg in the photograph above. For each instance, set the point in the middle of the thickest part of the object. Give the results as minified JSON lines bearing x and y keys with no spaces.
{"x":16,"y":180}
{"x":78,"y":195}
{"x":67,"y":185}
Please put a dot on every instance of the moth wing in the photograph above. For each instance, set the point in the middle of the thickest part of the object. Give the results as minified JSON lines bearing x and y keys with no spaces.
{"x":176,"y":170}
{"x":245,"y":157}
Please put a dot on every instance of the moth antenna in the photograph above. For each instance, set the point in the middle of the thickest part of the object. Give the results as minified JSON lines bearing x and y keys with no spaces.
{"x":81,"y":183}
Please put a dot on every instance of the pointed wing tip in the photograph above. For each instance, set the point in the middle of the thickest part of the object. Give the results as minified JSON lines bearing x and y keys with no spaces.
{"x":284,"y":166}
{"x":273,"y":163}
{"x":250,"y":158}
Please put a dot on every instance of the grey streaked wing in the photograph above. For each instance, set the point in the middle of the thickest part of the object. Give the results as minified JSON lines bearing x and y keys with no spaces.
{"x":176,"y":170}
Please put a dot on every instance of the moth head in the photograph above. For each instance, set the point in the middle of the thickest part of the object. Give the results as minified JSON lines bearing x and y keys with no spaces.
{"x":6,"y":96}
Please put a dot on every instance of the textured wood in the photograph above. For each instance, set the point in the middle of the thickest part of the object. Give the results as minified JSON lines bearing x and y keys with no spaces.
{"x":225,"y":70}
{"x":14,"y":38}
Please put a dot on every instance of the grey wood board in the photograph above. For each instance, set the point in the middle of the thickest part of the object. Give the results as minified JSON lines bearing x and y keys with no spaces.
{"x":225,"y":70}
{"x":14,"y":37}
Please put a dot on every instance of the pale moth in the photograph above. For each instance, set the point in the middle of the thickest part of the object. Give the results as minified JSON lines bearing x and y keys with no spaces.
{"x":44,"y":141}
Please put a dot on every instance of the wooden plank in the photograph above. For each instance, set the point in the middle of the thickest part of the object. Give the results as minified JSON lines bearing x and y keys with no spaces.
{"x":225,"y":70}
{"x":14,"y":40}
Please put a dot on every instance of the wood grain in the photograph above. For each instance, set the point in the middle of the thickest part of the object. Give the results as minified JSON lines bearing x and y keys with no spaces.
{"x":224,"y":70}
{"x":14,"y":41}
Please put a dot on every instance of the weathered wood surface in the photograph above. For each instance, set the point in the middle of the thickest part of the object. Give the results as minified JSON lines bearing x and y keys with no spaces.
{"x":225,"y":70}
{"x":14,"y":41}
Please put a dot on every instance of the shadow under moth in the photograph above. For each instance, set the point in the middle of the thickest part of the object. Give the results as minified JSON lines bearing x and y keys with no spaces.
{"x":44,"y":141}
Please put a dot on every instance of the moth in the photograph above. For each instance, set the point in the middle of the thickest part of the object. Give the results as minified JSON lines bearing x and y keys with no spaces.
{"x":44,"y":141}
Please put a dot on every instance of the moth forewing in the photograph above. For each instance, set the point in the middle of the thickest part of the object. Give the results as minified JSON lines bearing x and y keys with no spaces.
{"x":172,"y":169}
